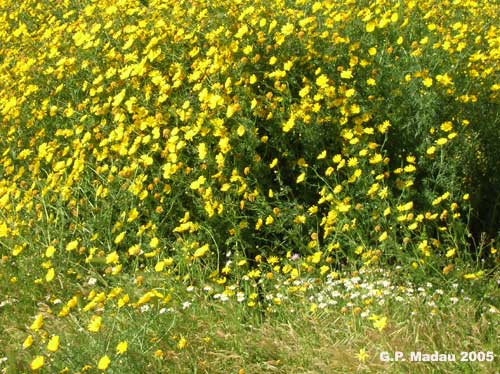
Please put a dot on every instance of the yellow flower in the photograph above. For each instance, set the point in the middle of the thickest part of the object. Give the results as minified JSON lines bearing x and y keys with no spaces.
{"x":49,"y":252}
{"x":405,"y":207}
{"x":103,"y":363}
{"x":123,"y":301}
{"x":95,"y":324}
{"x":119,"y":98}
{"x":346,"y":74}
{"x":379,"y":323}
{"x":304,"y":91}
{"x":153,"y":243}
{"x":445,"y":79}
{"x":28,"y":342}
{"x":37,"y":323}
{"x":119,"y":237}
{"x":427,"y":82}
{"x":301,"y":178}
{"x":300,"y":219}
{"x":17,"y":250}
{"x":231,"y":109}
{"x":132,"y":215}
{"x":476,"y":275}
{"x":53,"y":344}
{"x":290,"y":124}
{"x":121,"y":347}
{"x":241,"y":31}
{"x":158,"y":353}
{"x":287,"y":29}
{"x":50,"y":275}
{"x":202,"y":151}
{"x":377,"y":157}
{"x":272,"y":260}
{"x":313,"y":307}
{"x":112,"y":258}
{"x":316,"y":257}
{"x":384,"y":127}
{"x":241,"y":130}
{"x":269,"y":220}
{"x":37,"y":363}
{"x":352,"y":162}
{"x":135,"y":250}
{"x":362,"y":355}
{"x":182,"y":343}
{"x":451,"y":252}
{"x":322,"y":81}
{"x":197,"y":183}
{"x":383,"y":236}
{"x":350,"y":92}
{"x":409,"y":168}
{"x":200,"y":252}
{"x":72,"y":245}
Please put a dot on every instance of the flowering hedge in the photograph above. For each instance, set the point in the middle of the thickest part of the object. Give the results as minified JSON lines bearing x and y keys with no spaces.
{"x":247,"y":139}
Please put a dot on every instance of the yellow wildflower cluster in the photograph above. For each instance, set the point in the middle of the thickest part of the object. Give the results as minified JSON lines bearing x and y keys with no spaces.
{"x":245,"y":143}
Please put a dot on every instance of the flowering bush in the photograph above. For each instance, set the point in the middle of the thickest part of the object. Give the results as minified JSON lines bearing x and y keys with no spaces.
{"x":239,"y":142}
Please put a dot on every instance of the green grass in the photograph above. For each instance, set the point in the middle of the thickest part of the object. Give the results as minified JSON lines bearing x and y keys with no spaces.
{"x":227,"y":337}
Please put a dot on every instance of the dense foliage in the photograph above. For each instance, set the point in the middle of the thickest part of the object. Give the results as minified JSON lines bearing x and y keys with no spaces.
{"x":241,"y":145}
